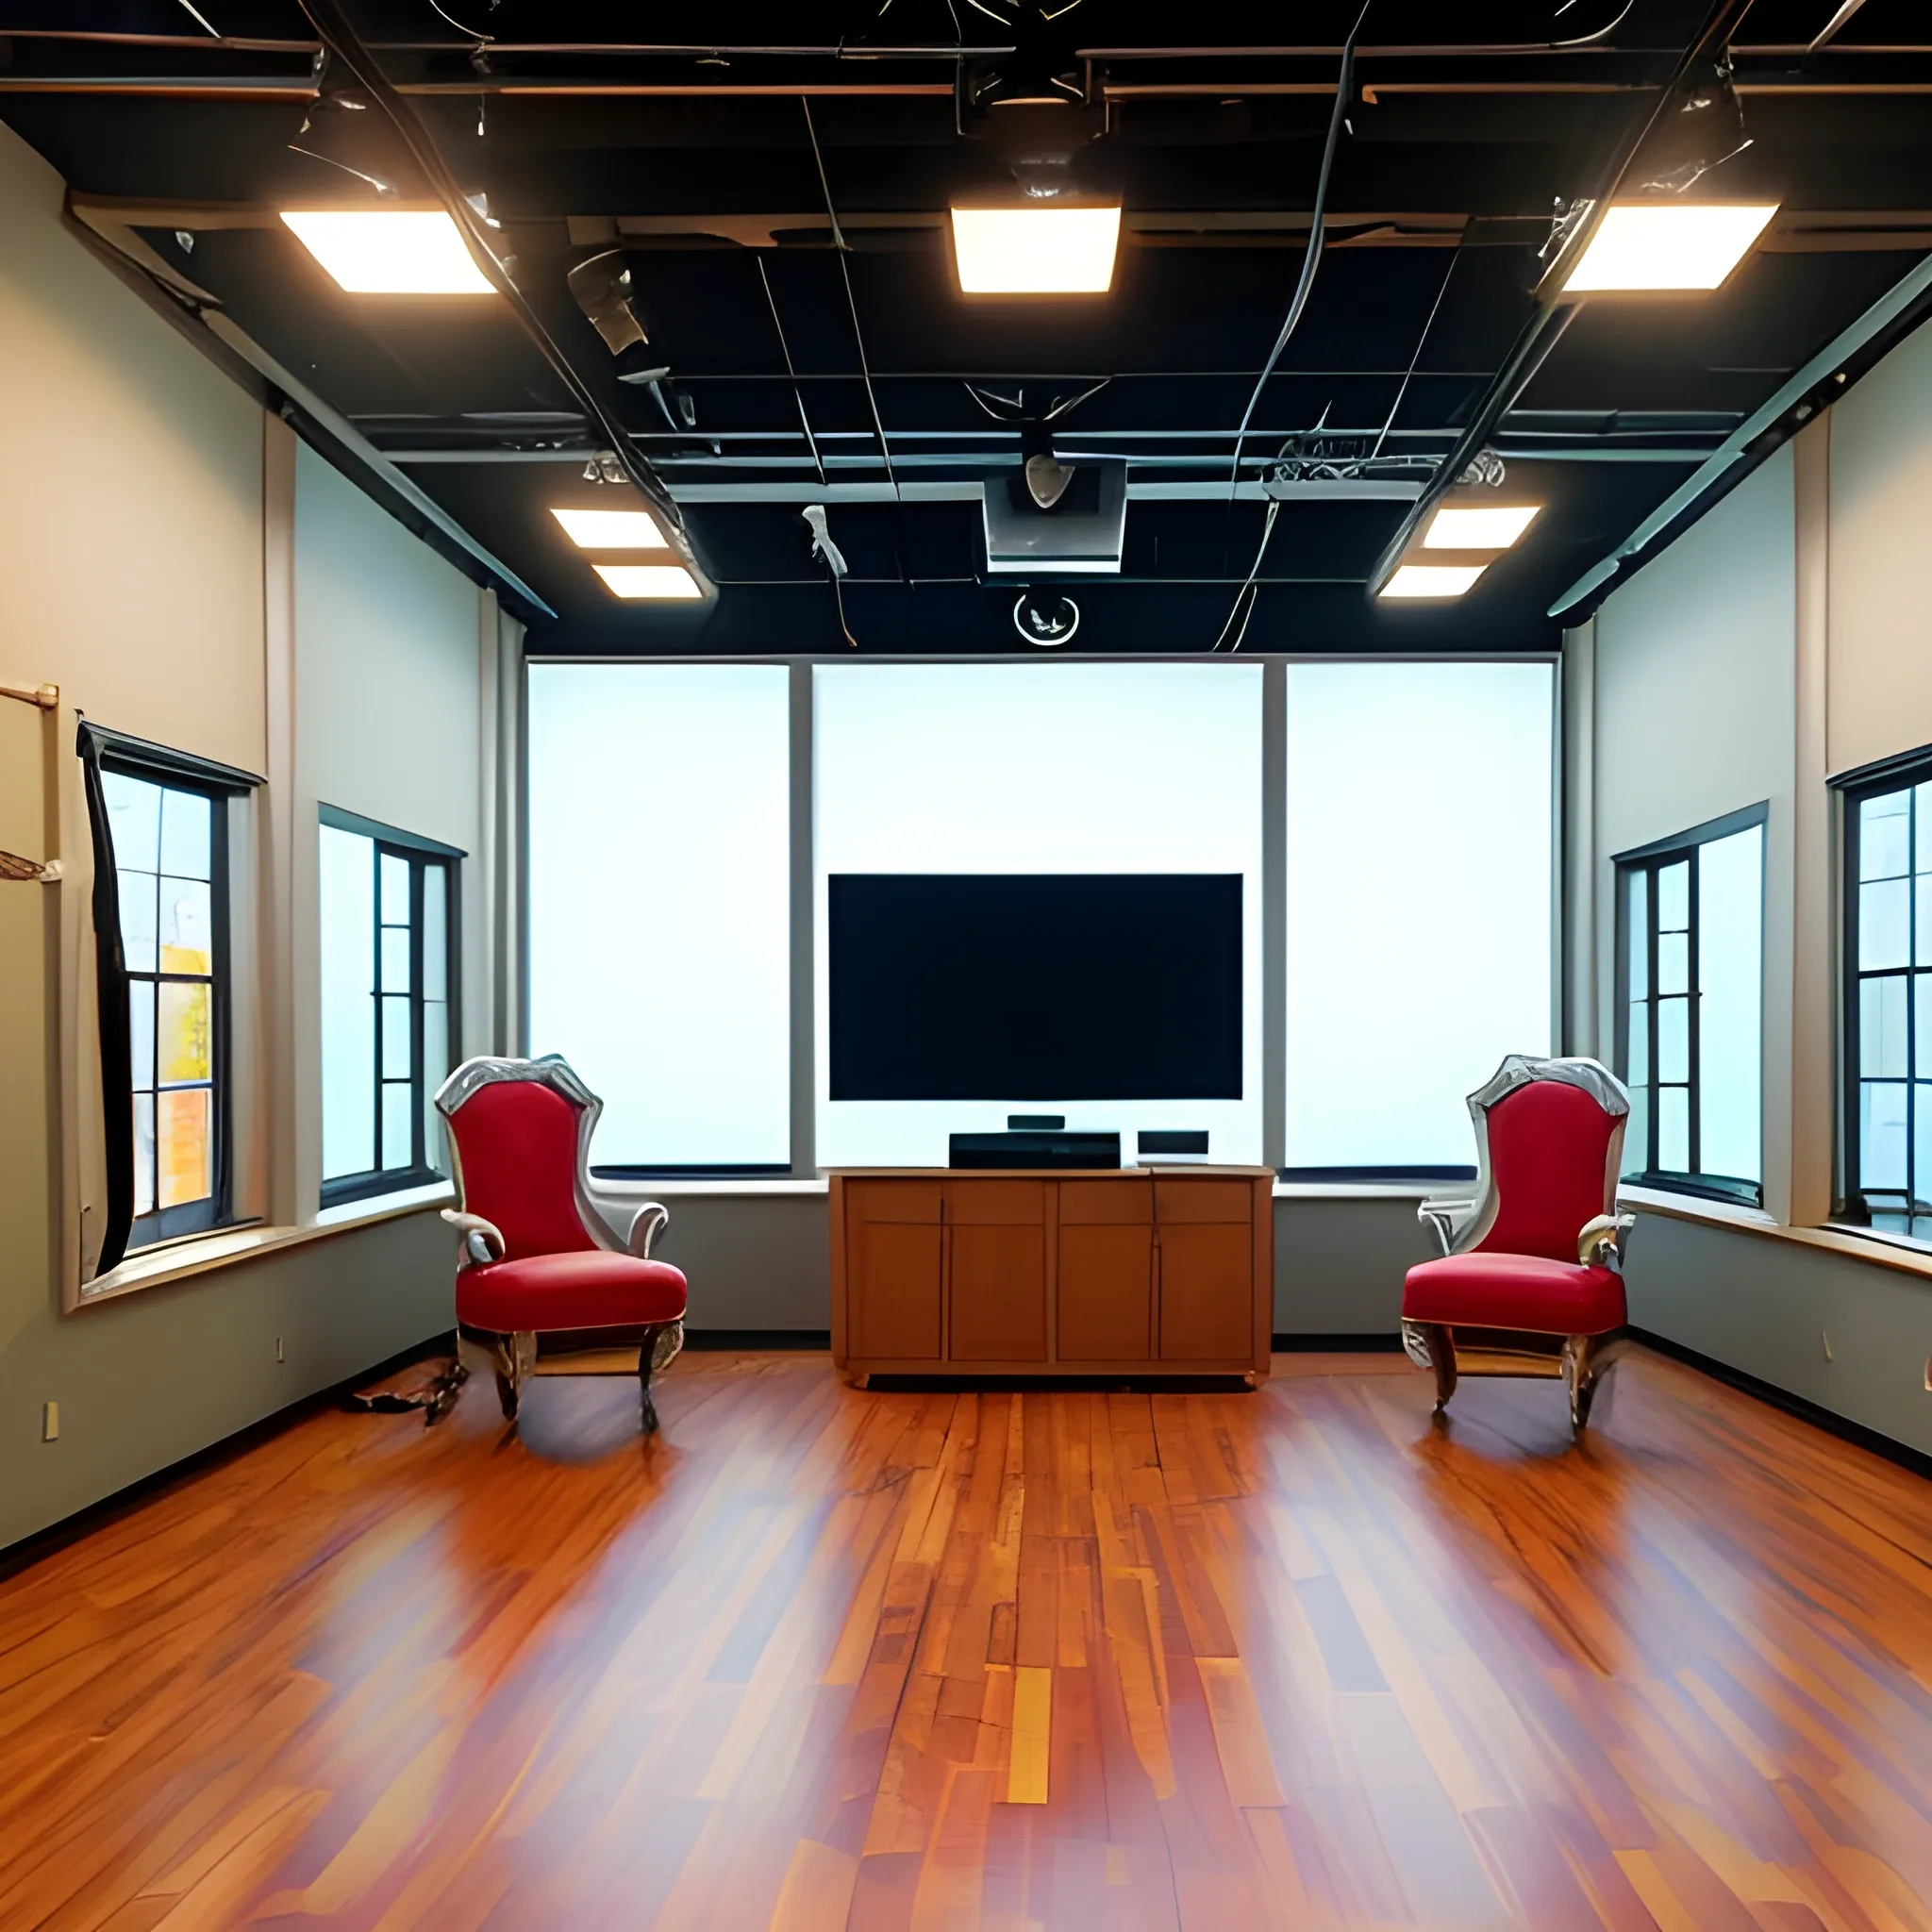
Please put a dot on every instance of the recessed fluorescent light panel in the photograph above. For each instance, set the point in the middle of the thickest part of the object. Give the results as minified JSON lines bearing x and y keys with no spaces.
{"x":648,"y":579}
{"x":1683,"y":246}
{"x":612,"y":529}
{"x":389,"y":251}
{"x":1433,"y":579}
{"x":1036,"y":251}
{"x":1478,"y":526}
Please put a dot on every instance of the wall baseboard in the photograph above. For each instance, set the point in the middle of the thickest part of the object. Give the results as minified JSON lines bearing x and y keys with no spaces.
{"x":30,"y":1550}
{"x":1815,"y":1413}
{"x":712,"y":1340}
{"x":1316,"y":1343}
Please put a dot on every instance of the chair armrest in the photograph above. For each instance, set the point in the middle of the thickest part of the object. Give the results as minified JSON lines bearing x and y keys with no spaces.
{"x":482,"y":1239}
{"x":1606,"y":1232}
{"x":650,"y":1221}
{"x":1448,"y":1218}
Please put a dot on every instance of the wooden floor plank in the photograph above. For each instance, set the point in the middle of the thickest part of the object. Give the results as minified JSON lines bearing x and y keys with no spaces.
{"x":817,"y":1658}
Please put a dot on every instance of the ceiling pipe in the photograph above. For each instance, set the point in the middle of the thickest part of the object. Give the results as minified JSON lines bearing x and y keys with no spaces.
{"x":340,"y":38}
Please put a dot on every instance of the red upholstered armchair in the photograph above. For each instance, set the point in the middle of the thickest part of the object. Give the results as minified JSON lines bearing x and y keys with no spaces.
{"x":536,"y":1257}
{"x":1530,"y":1280}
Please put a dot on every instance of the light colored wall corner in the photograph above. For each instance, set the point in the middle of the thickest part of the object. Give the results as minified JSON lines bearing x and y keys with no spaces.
{"x":506,"y":1029}
{"x":1580,"y":1031}
{"x":289,"y":1133}
{"x":1807,"y":1109}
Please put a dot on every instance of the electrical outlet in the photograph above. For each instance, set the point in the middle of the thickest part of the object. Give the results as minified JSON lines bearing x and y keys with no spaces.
{"x":280,"y":1355}
{"x":1826,"y":1340}
{"x":50,"y":1421}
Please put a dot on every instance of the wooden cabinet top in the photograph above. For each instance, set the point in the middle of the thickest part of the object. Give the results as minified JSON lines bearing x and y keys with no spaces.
{"x":1177,"y":1170}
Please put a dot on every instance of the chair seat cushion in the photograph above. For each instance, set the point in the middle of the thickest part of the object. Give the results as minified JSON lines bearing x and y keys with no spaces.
{"x":1490,"y":1290}
{"x":589,"y":1289}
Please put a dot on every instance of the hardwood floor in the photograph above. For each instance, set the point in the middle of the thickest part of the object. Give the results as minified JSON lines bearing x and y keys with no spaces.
{"x":815,"y":1659}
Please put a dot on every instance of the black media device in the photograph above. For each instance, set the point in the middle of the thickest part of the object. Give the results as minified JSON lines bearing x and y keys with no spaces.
{"x":1035,"y":1149}
{"x":1038,"y":1123}
{"x":1035,"y":986}
{"x":1172,"y":1141}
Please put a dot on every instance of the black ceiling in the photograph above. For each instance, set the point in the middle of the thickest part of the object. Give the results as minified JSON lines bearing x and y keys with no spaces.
{"x":698,"y":160}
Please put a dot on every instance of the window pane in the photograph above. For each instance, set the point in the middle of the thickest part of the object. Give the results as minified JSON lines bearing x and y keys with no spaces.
{"x":187,"y":834}
{"x":395,"y":1038}
{"x":1921,"y":1015}
{"x":435,"y":1070}
{"x":435,"y":932}
{"x":1674,"y":963}
{"x":1883,"y":917}
{"x":395,"y":959}
{"x":1922,"y":914}
{"x":1674,"y":1040}
{"x":1637,"y":1132}
{"x":184,"y":1146}
{"x":1637,"y":933}
{"x":1882,"y":1028}
{"x":348,"y":1002}
{"x":1731,"y":975}
{"x":140,"y":1032}
{"x":395,"y":890}
{"x":184,"y":1032}
{"x":659,"y":907}
{"x":1636,"y":1057}
{"x":1674,"y":896}
{"x":134,"y":821}
{"x":398,"y":1122}
{"x":1884,"y":836}
{"x":143,"y":1154}
{"x":1005,"y":769}
{"x":1881,"y":1135}
{"x":1921,"y":1144}
{"x":186,"y":922}
{"x":1395,"y":1013}
{"x":1673,"y":1129}
{"x":1922,"y":805}
{"x":139,"y":919}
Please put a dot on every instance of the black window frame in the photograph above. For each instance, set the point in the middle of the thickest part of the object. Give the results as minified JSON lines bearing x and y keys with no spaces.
{"x":419,"y":853}
{"x":1852,"y":1205}
{"x":1650,"y":860}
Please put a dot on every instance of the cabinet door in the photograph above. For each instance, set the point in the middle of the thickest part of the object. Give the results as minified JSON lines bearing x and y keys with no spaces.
{"x":1107,"y":1292}
{"x":892,"y":1289}
{"x":1207,"y":1292}
{"x":998,"y":1292}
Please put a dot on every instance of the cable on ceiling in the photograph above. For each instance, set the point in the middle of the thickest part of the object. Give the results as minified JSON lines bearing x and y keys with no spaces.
{"x":792,"y":374}
{"x":1249,"y":594}
{"x":200,"y":18}
{"x":1311,"y":257}
{"x":341,"y":41}
{"x":1422,"y":340}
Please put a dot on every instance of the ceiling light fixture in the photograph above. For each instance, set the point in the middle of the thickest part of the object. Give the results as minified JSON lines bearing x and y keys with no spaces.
{"x":612,"y":529}
{"x":1479,"y":526}
{"x":389,"y":251}
{"x":1663,"y":247}
{"x":1433,"y":579}
{"x":1035,"y":251}
{"x":648,"y":579}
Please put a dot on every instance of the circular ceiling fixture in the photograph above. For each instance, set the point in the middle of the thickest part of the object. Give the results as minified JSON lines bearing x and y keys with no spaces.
{"x":1046,"y":618}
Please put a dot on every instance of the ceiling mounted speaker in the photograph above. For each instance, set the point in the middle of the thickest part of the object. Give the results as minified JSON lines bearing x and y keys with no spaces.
{"x":1046,"y":618}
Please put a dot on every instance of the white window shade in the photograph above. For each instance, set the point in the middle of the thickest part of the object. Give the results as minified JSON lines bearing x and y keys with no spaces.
{"x":1420,"y":820}
{"x":660,"y":908}
{"x":1038,"y":768}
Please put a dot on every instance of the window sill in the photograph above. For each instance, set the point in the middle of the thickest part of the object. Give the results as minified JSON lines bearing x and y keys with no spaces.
{"x":152,"y":1268}
{"x":1680,"y":1207}
{"x":1855,"y":1243}
{"x":672,"y":1189}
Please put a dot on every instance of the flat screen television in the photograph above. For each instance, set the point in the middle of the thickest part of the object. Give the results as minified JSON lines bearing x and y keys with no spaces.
{"x":1035,"y":986}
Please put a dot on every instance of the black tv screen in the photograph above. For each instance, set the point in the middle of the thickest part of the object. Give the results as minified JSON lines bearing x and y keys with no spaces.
{"x":1035,"y":986}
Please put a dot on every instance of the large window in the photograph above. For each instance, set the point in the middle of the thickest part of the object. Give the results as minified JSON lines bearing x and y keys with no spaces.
{"x":1420,"y":937}
{"x":170,"y":865}
{"x":388,"y":939}
{"x":1889,"y":1003}
{"x":1691,"y":966}
{"x":1039,"y":769}
{"x":659,"y":906}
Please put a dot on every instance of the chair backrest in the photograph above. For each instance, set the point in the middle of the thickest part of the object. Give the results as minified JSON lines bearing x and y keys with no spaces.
{"x":518,"y":1132}
{"x":1550,"y":1137}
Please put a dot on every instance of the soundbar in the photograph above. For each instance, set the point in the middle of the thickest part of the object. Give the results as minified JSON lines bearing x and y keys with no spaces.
{"x":1034,"y":1149}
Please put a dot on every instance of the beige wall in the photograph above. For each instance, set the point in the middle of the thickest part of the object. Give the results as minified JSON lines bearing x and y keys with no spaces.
{"x":1880,"y":655}
{"x":183,"y":573}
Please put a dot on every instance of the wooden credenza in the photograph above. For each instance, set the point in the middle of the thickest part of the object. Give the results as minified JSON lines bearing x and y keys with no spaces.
{"x":1010,"y":1271}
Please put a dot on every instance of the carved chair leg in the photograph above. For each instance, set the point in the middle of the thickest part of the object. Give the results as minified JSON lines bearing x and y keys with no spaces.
{"x":1429,"y":1345}
{"x":1582,"y":1370}
{"x":648,"y":1353}
{"x":515,"y":1357}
